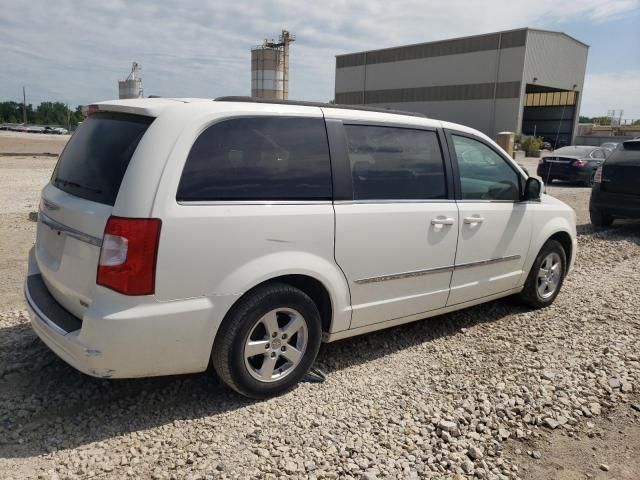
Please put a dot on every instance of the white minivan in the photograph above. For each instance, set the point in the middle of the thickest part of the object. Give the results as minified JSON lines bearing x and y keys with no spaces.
{"x":176,"y":233}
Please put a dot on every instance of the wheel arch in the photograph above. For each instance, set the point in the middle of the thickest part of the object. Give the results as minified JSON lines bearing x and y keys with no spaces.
{"x":566,"y":241}
{"x":561,"y":229}
{"x":311,"y":286}
{"x":315,"y":288}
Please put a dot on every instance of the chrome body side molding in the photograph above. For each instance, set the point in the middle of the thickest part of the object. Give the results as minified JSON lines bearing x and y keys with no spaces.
{"x":428,"y":271}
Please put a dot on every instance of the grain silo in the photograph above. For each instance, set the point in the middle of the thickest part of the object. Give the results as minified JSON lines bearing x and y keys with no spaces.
{"x":131,"y":87}
{"x":270,"y":68}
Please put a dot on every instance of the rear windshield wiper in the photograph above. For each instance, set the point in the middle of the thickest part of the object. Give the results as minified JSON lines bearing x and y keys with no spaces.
{"x":68,"y":183}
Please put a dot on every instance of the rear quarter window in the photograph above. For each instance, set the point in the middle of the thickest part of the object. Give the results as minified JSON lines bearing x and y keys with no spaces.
{"x":259,"y":158}
{"x":96,"y":157}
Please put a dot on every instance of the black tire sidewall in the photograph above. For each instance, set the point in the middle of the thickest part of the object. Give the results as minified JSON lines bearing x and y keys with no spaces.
{"x":600,"y":218}
{"x":531,"y":288}
{"x":286,"y":297}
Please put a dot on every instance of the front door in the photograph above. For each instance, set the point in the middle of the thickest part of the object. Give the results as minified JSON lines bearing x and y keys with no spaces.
{"x":494,"y":226}
{"x":396,"y":240}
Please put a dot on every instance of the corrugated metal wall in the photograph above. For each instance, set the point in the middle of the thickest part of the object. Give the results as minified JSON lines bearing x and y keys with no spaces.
{"x":440,"y":78}
{"x":557,"y":61}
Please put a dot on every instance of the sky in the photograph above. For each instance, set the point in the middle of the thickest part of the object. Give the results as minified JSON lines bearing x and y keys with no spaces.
{"x":75,"y":51}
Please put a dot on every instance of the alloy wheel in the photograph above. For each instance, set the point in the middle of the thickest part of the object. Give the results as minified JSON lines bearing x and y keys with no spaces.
{"x":549,"y":275}
{"x":276,"y":344}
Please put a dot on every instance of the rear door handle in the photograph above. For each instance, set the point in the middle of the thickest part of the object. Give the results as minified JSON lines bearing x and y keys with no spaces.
{"x":473,"y":219}
{"x":443,"y":221}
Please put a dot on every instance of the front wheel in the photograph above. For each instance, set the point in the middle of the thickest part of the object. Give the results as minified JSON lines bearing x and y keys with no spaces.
{"x":546,"y":276}
{"x":268,"y":341}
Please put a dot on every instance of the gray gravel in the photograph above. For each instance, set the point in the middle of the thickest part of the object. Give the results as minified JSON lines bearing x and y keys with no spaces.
{"x":435,"y":399}
{"x":431,"y":399}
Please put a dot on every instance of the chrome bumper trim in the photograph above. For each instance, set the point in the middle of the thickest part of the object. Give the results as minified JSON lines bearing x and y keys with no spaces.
{"x":68,"y":231}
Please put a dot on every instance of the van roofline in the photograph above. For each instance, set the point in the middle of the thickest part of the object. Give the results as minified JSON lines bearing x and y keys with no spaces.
{"x":317,"y":104}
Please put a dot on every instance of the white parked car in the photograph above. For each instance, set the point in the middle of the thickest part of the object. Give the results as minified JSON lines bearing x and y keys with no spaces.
{"x":179,"y":233}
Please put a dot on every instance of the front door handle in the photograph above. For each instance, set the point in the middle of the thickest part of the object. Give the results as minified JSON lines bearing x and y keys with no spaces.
{"x":443,"y":221}
{"x":473,"y":219}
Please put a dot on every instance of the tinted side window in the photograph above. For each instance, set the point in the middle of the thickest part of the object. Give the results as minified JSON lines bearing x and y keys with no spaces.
{"x":389,"y":163}
{"x":260,"y":158}
{"x":484,"y":175}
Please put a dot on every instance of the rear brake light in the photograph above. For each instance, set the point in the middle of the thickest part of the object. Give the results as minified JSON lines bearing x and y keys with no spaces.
{"x":597,"y":178}
{"x":541,"y":161}
{"x":128,"y":255}
{"x":580,"y":163}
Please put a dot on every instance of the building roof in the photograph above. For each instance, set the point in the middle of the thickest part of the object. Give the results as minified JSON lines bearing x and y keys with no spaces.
{"x":486,"y":41}
{"x":562,"y":34}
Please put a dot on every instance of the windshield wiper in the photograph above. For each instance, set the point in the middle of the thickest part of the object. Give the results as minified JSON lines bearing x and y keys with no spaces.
{"x":76,"y":185}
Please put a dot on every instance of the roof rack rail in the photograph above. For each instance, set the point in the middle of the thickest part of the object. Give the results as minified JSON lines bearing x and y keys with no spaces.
{"x":317,"y":104}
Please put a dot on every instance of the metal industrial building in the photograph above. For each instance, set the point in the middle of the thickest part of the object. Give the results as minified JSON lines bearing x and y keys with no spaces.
{"x":523,"y":80}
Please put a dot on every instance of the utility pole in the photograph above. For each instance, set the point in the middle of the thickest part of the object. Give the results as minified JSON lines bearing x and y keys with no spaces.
{"x":24,"y":106}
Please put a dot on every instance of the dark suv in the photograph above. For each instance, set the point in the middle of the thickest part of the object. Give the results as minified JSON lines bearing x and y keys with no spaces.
{"x":616,"y":187}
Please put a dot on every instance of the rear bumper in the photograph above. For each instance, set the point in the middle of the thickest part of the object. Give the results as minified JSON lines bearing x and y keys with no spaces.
{"x":64,"y":344}
{"x":123,"y":339}
{"x":616,"y":204}
{"x":569,"y":174}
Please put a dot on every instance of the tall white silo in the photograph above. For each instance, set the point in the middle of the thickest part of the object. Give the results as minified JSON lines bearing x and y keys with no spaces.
{"x":131,"y":87}
{"x":270,"y":68}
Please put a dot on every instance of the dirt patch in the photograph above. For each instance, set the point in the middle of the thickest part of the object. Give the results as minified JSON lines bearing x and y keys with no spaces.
{"x":603,"y":448}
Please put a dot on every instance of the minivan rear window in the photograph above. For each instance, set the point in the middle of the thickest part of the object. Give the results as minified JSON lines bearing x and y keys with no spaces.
{"x":96,"y":158}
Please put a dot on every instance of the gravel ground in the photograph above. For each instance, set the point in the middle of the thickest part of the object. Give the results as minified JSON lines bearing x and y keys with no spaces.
{"x":26,"y":143}
{"x":495,"y":391}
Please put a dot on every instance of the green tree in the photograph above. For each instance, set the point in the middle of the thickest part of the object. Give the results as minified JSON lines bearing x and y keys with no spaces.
{"x":596,"y":120}
{"x":47,"y":113}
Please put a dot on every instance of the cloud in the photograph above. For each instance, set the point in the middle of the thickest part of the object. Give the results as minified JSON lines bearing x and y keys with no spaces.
{"x":612,"y":91}
{"x":76,"y":50}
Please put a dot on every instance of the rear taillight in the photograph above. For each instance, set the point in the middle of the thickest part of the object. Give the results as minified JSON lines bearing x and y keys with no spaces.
{"x":597,"y":178}
{"x":580,"y":163}
{"x":541,"y":161}
{"x":128,"y":255}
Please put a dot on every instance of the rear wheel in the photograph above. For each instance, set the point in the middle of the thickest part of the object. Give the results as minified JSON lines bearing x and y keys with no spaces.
{"x":546,"y":276}
{"x":600,"y":218}
{"x":589,"y":183}
{"x":268,"y":342}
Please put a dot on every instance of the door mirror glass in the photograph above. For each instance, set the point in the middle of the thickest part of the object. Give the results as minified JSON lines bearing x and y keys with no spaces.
{"x":532,"y":189}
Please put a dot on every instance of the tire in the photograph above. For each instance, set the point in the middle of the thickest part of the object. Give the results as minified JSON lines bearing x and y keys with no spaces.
{"x":249,"y":327}
{"x":600,"y":218}
{"x":532,"y":293}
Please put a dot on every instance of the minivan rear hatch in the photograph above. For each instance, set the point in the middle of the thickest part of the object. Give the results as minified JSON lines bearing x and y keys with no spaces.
{"x":77,"y":203}
{"x":621,"y":171}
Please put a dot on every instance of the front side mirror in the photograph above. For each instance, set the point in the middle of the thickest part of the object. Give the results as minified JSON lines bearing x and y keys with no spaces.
{"x":532,"y":189}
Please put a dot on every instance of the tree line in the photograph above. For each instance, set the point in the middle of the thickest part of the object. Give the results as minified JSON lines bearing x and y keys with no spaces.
{"x":47,"y":113}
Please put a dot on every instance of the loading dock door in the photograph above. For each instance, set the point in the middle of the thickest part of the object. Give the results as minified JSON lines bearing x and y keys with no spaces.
{"x":550,"y":114}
